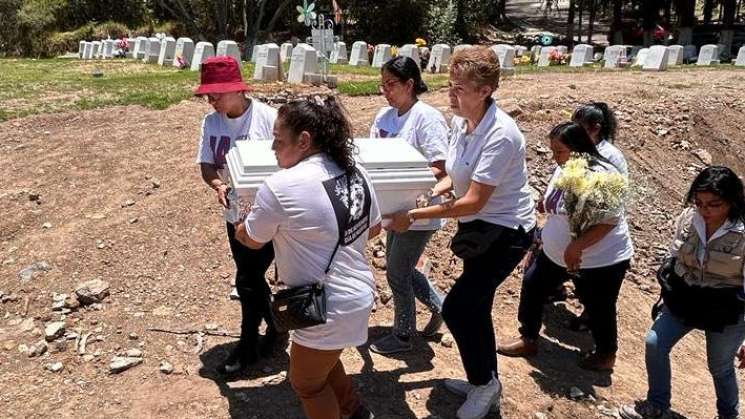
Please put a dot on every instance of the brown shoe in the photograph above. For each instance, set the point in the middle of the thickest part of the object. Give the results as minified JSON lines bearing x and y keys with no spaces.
{"x":597,"y":362}
{"x":519,"y":348}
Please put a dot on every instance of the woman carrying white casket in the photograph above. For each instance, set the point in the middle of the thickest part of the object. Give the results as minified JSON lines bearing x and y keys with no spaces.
{"x":426,"y":130}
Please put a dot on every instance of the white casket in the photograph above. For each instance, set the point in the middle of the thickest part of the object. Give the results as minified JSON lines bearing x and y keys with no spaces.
{"x":399,"y":173}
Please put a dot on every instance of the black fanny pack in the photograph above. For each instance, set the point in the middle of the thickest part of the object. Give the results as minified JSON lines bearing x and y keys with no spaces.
{"x":705,"y":308}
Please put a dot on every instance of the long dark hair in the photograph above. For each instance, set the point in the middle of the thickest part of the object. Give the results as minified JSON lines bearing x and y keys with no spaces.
{"x":723,"y":182}
{"x":576,"y":138}
{"x":598,"y":113}
{"x":328,"y":125}
{"x":405,"y":69}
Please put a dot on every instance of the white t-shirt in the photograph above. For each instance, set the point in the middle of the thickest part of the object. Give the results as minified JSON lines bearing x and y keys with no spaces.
{"x":220,"y":133}
{"x":494,"y":154}
{"x":615,"y":247}
{"x":300,"y":210}
{"x":425,"y":129}
{"x":614,"y":155}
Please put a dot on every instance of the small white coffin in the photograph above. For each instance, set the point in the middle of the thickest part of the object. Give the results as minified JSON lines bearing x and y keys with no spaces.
{"x":399,"y":173}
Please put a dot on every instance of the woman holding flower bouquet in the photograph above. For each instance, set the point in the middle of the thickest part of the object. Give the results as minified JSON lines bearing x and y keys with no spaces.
{"x":585,"y":238}
{"x":487,"y":171}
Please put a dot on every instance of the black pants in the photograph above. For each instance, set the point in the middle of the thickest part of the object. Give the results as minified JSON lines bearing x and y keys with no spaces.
{"x":597,"y":289}
{"x":250,"y":281}
{"x":467,"y":307}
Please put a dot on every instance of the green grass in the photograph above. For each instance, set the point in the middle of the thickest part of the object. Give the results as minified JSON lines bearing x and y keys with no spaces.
{"x":371,"y":87}
{"x":30,"y":87}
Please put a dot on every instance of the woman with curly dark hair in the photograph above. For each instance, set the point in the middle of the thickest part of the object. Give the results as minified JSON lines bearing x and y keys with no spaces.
{"x":702,"y":288}
{"x":319,"y":213}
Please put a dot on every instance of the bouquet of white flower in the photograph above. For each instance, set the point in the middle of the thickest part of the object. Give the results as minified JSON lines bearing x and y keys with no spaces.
{"x":590,"y":197}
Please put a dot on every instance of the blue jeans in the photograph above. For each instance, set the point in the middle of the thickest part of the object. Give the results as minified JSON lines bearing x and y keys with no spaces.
{"x":721,"y":349}
{"x":402,"y":254}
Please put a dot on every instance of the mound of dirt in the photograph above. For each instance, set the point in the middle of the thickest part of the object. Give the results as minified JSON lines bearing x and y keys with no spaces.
{"x":114,"y":194}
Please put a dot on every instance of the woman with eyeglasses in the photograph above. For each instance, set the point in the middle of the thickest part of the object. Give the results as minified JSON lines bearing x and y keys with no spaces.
{"x":487,"y":171}
{"x":702,"y":288}
{"x":424,"y":127}
{"x":236,"y":117}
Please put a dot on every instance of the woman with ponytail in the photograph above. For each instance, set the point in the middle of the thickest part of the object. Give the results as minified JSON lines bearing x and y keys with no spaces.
{"x":425,"y":129}
{"x":318,"y":213}
{"x":600,"y":123}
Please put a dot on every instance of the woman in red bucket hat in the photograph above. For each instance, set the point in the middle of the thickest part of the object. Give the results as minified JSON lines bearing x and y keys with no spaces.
{"x":237,"y":117}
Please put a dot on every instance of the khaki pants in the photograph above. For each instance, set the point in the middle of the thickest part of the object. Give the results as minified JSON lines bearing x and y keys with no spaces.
{"x":319,"y":379}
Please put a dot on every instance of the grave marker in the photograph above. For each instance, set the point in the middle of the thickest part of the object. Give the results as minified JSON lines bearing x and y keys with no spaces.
{"x":359,"y":56}
{"x":267,"y":63}
{"x":690,"y":53}
{"x":740,"y":62}
{"x":582,"y":55}
{"x":254,"y":53}
{"x":339,"y":54}
{"x":184,"y":52}
{"x":285,"y":52}
{"x":641,"y":57}
{"x":411,"y":51}
{"x":167,"y":51}
{"x":153,"y":51}
{"x":506,"y":56}
{"x":304,"y":63}
{"x":461,"y":47}
{"x":657,"y":58}
{"x":96,"y":49}
{"x":675,"y":55}
{"x":439,"y":59}
{"x":382,"y":55}
{"x":81,"y":49}
{"x":709,"y":55}
{"x":229,"y":48}
{"x":202,"y":51}
{"x":615,"y":56}
{"x":544,"y":60}
{"x":520,"y":50}
{"x":88,"y":51}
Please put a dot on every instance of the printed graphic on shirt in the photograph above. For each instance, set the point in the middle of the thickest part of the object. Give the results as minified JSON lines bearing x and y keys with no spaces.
{"x":351,"y":199}
{"x":553,"y":201}
{"x":220,"y":149}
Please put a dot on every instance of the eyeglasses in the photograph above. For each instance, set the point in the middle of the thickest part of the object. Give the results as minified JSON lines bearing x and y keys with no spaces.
{"x":712,"y":205}
{"x":388,"y":85}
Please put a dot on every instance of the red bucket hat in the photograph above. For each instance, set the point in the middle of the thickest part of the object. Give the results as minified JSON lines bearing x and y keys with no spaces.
{"x":221,"y":74}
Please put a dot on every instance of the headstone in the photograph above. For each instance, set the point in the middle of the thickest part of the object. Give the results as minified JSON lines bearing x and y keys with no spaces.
{"x":675,"y":55}
{"x":304,"y":62}
{"x":96,"y":49}
{"x":285,"y":52}
{"x":81,"y":49}
{"x":202,"y":51}
{"x":439,"y":59}
{"x":88,"y":51}
{"x":382,"y":55}
{"x":229,"y":48}
{"x":322,"y":41}
{"x":563,"y":49}
{"x":657,"y":58}
{"x":506,"y":56}
{"x":131,"y":47}
{"x":153,"y":51}
{"x":359,"y":56}
{"x":339,"y":54}
{"x":615,"y":56}
{"x":520,"y":50}
{"x":167,"y":51}
{"x":740,"y":62}
{"x":255,"y":53}
{"x":544,"y":59}
{"x":267,"y":66}
{"x":461,"y":47}
{"x":535,"y":53}
{"x":107,"y":50}
{"x":184,"y":52}
{"x":139,"y":48}
{"x":690,"y":53}
{"x":641,"y":57}
{"x":581,"y":55}
{"x":709,"y":55}
{"x":411,"y":51}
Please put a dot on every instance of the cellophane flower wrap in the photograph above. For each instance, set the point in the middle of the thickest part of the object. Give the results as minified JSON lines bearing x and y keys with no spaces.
{"x":591,"y":197}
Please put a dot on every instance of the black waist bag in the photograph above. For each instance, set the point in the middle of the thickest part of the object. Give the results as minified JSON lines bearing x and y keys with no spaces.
{"x":299,"y":307}
{"x":705,"y":308}
{"x":474,"y":238}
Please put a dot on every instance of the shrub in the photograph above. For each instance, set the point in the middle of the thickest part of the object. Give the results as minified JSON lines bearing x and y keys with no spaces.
{"x":62,"y":42}
{"x":110,"y":29}
{"x":440,"y":23}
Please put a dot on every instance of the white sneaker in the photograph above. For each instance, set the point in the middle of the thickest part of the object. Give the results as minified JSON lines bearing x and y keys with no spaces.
{"x":480,"y":400}
{"x":234,"y":294}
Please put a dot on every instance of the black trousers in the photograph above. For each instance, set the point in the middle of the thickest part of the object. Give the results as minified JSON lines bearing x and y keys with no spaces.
{"x":467,"y":307}
{"x":253,"y":290}
{"x":597,"y":289}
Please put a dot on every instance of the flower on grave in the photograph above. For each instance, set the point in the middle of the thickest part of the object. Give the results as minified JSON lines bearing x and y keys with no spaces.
{"x":394,"y":51}
{"x":420,"y":42}
{"x":590,"y":197}
{"x":307,"y":14}
{"x":525,"y":59}
{"x":557,"y":58}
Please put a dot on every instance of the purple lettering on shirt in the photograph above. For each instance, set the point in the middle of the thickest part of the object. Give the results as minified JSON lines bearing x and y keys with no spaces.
{"x":220,"y":149}
{"x":552,"y":201}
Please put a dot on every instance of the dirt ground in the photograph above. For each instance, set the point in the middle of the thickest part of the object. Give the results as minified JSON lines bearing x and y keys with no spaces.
{"x":125,"y":203}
